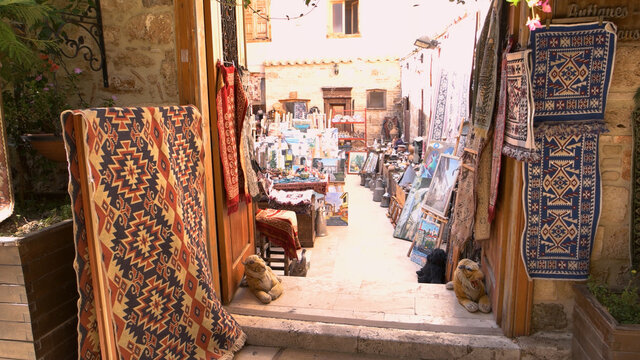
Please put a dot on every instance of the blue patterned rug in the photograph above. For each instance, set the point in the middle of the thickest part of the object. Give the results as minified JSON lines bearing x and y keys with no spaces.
{"x":572,"y":67}
{"x":562,"y":206}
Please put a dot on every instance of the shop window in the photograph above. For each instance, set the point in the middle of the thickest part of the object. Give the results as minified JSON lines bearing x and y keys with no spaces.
{"x":343,"y":18}
{"x":257,"y":27}
{"x":376,"y":99}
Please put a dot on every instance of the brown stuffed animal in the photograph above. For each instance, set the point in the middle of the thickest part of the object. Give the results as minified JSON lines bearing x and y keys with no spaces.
{"x":262,"y":282}
{"x":469,"y":288}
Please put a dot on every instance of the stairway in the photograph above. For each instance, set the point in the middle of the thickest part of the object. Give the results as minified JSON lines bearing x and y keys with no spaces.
{"x":324,"y":319}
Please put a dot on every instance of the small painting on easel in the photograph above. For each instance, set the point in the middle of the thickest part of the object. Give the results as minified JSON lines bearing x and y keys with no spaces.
{"x":336,"y":207}
{"x":356,"y":161}
{"x":426,"y":241}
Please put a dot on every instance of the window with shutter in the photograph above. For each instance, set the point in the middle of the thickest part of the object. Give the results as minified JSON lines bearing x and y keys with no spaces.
{"x":256,"y":24}
{"x":343,"y":18}
{"x":377,"y":99}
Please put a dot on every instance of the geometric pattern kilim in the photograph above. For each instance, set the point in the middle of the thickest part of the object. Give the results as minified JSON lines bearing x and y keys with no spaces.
{"x":562,"y":206}
{"x":146,"y":196}
{"x":572,"y":67}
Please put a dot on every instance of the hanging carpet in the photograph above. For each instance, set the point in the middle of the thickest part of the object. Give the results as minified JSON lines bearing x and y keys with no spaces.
{"x":231,"y":105}
{"x":498,"y":136}
{"x":562,"y":198}
{"x":486,"y":73}
{"x":572,"y":67}
{"x":440,"y":108}
{"x":145,"y":220}
{"x":519,"y":140}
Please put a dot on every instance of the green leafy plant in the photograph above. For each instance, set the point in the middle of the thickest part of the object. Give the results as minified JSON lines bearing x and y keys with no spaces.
{"x":623,"y":305}
{"x":25,"y":33}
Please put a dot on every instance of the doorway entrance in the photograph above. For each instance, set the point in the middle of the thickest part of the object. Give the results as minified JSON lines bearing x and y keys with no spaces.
{"x":235,"y":234}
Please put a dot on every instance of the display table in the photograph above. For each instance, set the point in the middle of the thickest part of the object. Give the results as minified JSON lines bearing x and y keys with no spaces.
{"x":305,"y":211}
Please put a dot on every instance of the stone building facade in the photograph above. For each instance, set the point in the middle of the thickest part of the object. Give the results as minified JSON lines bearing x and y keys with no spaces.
{"x":141,"y":55}
{"x":308,"y":79}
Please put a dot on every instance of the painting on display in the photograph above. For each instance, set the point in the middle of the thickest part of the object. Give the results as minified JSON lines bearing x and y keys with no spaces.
{"x":434,"y":150}
{"x":426,"y":240}
{"x":372,"y":162}
{"x":336,"y":206}
{"x":444,"y":180}
{"x":409,"y":219}
{"x":356,"y":162}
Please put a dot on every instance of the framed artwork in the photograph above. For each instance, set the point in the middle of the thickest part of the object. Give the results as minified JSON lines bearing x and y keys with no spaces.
{"x":372,"y":162}
{"x":356,"y":161}
{"x":444,"y":180}
{"x":367,"y":161}
{"x":434,"y":150}
{"x":336,"y":206}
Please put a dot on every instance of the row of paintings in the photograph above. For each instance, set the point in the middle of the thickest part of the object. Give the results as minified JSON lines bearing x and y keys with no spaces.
{"x":431,"y":190}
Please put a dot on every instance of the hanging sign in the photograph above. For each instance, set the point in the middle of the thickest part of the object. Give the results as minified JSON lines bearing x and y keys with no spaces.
{"x":625,"y":14}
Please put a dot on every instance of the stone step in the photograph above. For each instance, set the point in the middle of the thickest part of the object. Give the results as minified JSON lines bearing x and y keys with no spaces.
{"x":374,"y":341}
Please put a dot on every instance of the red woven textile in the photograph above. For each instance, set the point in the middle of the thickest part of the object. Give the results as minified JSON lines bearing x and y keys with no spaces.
{"x":231,"y":103}
{"x":498,"y":135}
{"x":281,"y":228}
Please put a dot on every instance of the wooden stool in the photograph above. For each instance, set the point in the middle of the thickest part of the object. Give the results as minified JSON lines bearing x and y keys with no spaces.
{"x":278,"y":233}
{"x":266,"y":250}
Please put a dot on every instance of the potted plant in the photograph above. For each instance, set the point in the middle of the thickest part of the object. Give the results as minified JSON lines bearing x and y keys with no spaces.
{"x":36,"y":242}
{"x":606,"y":321}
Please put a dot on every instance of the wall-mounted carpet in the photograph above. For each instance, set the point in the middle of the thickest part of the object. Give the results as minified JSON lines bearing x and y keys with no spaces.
{"x":562,"y":199}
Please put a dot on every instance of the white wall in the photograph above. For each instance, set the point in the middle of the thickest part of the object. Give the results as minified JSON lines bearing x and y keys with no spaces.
{"x":388,"y":28}
{"x":416,"y":86}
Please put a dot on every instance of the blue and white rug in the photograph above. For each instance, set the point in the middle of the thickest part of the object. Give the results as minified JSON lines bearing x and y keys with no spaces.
{"x":562,"y":199}
{"x":572,"y":68}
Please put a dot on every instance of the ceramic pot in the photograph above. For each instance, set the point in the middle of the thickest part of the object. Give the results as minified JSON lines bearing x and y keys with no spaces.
{"x":386,"y":199}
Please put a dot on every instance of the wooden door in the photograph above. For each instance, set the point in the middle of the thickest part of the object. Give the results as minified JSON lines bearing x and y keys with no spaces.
{"x":193,"y":89}
{"x":236,"y":231}
{"x":336,"y":110}
{"x":507,"y":283}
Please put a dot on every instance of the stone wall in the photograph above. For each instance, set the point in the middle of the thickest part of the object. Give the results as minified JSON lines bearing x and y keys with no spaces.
{"x":308,"y":79}
{"x":141,"y":55}
{"x":610,"y":255}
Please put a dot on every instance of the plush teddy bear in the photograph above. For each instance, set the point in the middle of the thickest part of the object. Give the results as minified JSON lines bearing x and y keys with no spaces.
{"x":469,"y":288}
{"x":262,"y":282}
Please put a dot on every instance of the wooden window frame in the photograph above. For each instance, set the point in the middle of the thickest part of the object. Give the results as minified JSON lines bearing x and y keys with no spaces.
{"x":250,"y":16}
{"x":337,"y":35}
{"x":384,"y":99}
